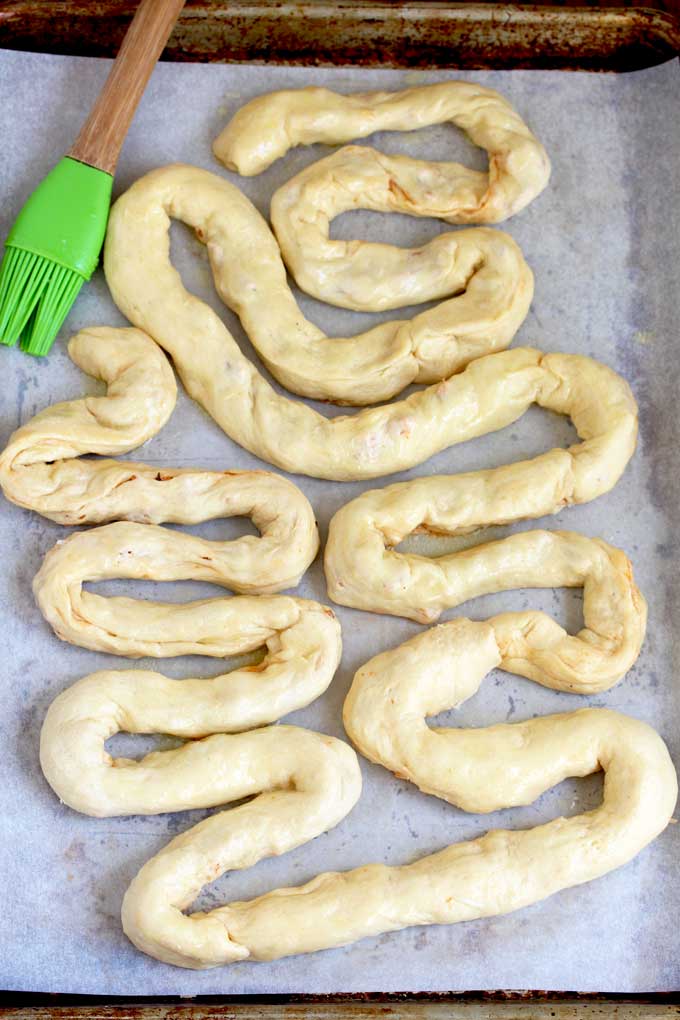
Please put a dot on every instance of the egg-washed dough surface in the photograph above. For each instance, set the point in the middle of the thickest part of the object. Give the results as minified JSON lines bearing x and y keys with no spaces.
{"x":626,"y":128}
{"x":250,"y":277}
{"x":302,"y":782}
{"x":531,"y":644}
{"x":360,"y":273}
{"x":363,"y":569}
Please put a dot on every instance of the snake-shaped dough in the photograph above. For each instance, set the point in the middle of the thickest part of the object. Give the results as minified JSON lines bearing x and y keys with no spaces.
{"x":492,"y":392}
{"x":361,"y":274}
{"x":42,"y":469}
{"x":614,"y":611}
{"x":268,"y":126}
{"x":483,"y":770}
{"x":251,"y":279}
{"x":480,"y":770}
{"x":364,"y":571}
{"x":307,"y":782}
{"x":315,"y":780}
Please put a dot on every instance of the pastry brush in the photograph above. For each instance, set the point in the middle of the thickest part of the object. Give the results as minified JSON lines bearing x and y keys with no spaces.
{"x":54,"y":245}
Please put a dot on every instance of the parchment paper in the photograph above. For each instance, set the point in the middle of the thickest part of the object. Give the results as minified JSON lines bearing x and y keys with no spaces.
{"x":604,"y":242}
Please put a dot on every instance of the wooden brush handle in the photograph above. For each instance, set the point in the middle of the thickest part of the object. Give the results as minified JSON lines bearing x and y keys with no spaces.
{"x":103,"y":133}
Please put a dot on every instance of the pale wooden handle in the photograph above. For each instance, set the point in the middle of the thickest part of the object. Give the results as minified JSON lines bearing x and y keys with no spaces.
{"x":103,"y":133}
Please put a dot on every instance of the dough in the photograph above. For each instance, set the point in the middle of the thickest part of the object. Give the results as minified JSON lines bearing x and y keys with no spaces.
{"x":315,"y":782}
{"x":134,"y":627}
{"x":492,"y":392}
{"x":303,"y":782}
{"x":480,"y":770}
{"x":368,"y":275}
{"x":484,"y":770}
{"x":303,"y":650}
{"x":268,"y":126}
{"x":364,"y":571}
{"x":42,"y":469}
{"x":309,"y":783}
{"x":360,"y":274}
{"x":486,"y":265}
{"x":532,"y":644}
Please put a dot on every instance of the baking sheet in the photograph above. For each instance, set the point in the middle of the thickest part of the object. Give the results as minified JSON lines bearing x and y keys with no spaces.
{"x":604,"y":242}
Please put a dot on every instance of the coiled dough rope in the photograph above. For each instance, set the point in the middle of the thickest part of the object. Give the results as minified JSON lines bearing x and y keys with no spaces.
{"x":384,"y":714}
{"x":332,"y":909}
{"x":305,"y":782}
{"x":364,"y":571}
{"x":358,"y":274}
{"x":490,"y":393}
{"x":265,"y":129}
{"x":532,"y":644}
{"x":251,"y":279}
{"x":487,"y":769}
{"x":391,"y":695}
{"x":42,"y":468}
{"x":480,"y":770}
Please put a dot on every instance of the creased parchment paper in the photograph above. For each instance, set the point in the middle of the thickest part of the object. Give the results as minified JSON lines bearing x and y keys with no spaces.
{"x":604,"y":243}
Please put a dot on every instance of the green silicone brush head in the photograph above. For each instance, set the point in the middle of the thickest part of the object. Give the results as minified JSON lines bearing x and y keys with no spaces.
{"x":36,"y":295}
{"x":51,"y":250}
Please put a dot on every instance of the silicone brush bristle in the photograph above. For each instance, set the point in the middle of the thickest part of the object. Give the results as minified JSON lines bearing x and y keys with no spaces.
{"x":51,"y":250}
{"x":36,"y":295}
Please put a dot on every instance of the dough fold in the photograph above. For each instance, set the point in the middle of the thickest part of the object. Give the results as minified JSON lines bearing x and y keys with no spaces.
{"x":480,"y":770}
{"x":491,"y":392}
{"x":360,"y":274}
{"x":482,"y":272}
{"x":42,"y":468}
{"x":302,"y":782}
{"x":484,"y":770}
{"x":265,"y":129}
{"x":364,"y":570}
{"x":532,"y":643}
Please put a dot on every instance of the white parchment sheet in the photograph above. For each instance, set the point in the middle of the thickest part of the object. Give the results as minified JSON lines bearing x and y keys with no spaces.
{"x":604,"y":243}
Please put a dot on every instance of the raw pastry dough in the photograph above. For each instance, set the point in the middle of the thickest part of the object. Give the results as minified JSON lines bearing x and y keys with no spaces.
{"x":483,"y":770}
{"x":268,"y":126}
{"x":368,"y":275}
{"x":304,"y":782}
{"x":364,"y":571}
{"x":251,"y":279}
{"x":42,"y":468}
{"x":372,"y":276}
{"x":480,"y":770}
{"x":531,"y":643}
{"x":360,"y":274}
{"x":384,"y":713}
{"x":307,"y":782}
{"x":492,"y":391}
{"x":124,"y":626}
